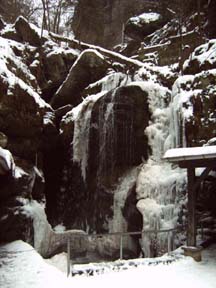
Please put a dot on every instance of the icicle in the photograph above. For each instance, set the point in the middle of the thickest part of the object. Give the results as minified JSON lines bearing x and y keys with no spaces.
{"x":159,"y":186}
{"x":82,"y":119}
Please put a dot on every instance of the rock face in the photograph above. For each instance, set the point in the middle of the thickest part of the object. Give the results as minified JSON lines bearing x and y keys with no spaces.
{"x":101,"y":22}
{"x":26,"y":32}
{"x":27,"y":124}
{"x":89,"y":67}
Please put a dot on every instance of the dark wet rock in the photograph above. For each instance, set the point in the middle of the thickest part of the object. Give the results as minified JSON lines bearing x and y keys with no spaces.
{"x":123,"y":112}
{"x":130,"y":111}
{"x":89,"y":67}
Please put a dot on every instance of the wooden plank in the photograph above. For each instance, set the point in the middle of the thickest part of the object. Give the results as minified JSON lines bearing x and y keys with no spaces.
{"x":121,"y":247}
{"x":191,"y":230}
{"x":197,"y":163}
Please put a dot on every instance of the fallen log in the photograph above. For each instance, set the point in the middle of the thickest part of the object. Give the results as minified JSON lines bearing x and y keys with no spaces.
{"x":114,"y":56}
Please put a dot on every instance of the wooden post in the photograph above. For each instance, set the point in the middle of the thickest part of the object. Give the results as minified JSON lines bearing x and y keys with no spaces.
{"x":121,"y":247}
{"x":191,"y":232}
{"x":169,"y":244}
{"x":68,"y":257}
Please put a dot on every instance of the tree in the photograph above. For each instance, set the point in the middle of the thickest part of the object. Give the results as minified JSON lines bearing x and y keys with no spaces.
{"x":11,"y":9}
{"x":57,"y":14}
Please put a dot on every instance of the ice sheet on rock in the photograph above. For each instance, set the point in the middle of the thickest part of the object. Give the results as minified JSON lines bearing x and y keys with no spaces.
{"x":160,"y":187}
{"x":81,"y":116}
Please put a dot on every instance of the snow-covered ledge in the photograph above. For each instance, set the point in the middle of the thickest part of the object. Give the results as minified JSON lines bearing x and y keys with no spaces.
{"x":48,"y":242}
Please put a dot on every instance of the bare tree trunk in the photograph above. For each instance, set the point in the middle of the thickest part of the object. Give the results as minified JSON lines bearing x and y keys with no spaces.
{"x":48,"y":14}
{"x":59,"y":16}
{"x":44,"y":23}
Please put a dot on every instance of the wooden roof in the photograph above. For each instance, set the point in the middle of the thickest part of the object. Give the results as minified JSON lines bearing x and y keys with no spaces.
{"x":192,"y":156}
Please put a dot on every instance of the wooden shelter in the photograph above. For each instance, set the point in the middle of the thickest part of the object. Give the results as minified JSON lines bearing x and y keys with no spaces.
{"x":192,"y":158}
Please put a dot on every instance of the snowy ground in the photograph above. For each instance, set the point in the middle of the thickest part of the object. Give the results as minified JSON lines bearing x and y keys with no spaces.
{"x":22,"y":267}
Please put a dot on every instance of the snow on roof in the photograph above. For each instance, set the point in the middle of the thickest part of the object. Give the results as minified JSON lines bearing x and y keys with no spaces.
{"x":190,"y":153}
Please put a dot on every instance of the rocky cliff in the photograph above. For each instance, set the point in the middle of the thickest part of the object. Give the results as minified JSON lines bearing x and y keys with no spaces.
{"x":83,"y":134}
{"x":102,"y":22}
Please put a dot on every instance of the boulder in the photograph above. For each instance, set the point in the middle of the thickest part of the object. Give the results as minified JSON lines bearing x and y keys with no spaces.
{"x":143,"y":25}
{"x":89,"y":67}
{"x":48,"y":242}
{"x":27,"y":32}
{"x":57,"y":64}
{"x":100,"y":158}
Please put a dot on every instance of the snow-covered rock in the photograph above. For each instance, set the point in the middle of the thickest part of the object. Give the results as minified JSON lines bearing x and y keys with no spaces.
{"x":88,"y":68}
{"x":202,"y":58}
{"x":143,"y":25}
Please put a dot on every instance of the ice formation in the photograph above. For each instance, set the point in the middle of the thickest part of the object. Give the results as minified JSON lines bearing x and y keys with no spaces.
{"x":159,"y":185}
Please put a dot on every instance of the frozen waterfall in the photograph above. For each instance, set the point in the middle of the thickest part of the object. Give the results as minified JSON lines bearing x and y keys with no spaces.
{"x":160,"y":187}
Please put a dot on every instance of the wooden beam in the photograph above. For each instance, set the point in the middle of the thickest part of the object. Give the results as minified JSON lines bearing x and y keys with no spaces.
{"x":191,"y":232}
{"x":197,"y":163}
{"x":201,"y":178}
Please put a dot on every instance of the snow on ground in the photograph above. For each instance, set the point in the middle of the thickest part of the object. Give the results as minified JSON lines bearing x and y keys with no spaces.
{"x":22,"y":267}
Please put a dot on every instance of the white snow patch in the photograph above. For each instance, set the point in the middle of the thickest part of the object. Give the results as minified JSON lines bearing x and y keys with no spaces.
{"x":145,"y":18}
